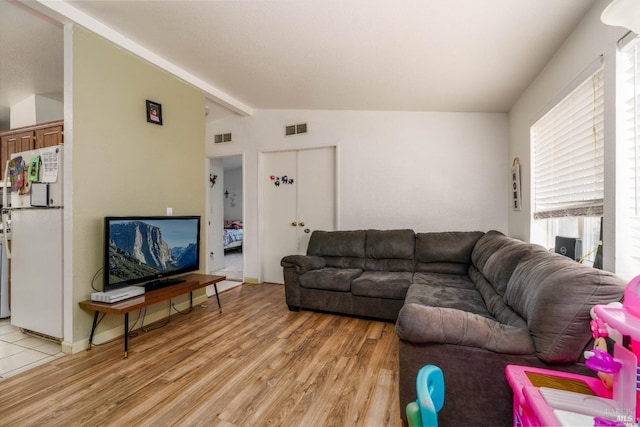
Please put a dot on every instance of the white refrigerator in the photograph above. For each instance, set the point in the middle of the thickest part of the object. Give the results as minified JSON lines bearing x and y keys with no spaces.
{"x":36,"y":245}
{"x":4,"y":282}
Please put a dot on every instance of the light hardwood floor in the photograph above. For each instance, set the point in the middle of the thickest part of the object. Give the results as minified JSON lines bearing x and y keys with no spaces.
{"x":254,"y":364}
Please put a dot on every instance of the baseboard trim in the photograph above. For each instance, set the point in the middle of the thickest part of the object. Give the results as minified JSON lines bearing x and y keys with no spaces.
{"x":222,"y":286}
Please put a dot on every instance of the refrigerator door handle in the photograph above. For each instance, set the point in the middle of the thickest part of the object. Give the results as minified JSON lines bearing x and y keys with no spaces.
{"x":5,"y":229}
{"x":5,"y":234}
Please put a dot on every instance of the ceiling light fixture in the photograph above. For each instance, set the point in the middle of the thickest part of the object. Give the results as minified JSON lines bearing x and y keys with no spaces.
{"x":623,"y":13}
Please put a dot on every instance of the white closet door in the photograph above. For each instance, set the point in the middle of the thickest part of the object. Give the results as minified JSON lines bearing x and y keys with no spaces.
{"x":298,"y":197}
{"x":316,"y":193}
{"x":279,"y":212}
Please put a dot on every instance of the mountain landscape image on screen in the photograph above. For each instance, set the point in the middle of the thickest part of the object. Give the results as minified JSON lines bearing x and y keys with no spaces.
{"x":137,"y":249}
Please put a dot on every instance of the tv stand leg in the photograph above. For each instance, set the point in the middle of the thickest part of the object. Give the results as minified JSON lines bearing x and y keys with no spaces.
{"x":93,"y":329}
{"x":126,"y":335}
{"x":215,"y":286}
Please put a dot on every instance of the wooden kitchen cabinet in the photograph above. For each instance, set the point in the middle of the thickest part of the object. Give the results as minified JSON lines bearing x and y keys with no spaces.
{"x":25,"y":140}
{"x":8,"y":146}
{"x":28,"y":138}
{"x":48,"y":136}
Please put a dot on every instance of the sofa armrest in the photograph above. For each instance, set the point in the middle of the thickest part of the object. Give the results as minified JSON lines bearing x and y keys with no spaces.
{"x":303,"y":263}
{"x":420,"y":324}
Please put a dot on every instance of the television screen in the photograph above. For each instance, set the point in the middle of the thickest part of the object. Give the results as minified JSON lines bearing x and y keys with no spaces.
{"x":145,"y":249}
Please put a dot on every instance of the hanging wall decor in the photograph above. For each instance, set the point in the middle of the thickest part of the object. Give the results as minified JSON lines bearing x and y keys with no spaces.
{"x":280,"y":180}
{"x":154,"y":112}
{"x":515,"y":184}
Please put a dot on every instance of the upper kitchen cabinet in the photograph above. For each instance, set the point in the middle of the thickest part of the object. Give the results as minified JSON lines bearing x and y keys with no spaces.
{"x":28,"y":138}
{"x":49,"y":136}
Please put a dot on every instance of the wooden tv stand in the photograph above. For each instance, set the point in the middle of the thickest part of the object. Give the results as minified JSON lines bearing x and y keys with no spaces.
{"x":192,"y":282}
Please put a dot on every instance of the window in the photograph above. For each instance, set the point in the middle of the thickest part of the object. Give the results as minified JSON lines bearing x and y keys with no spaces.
{"x":568,"y":167}
{"x":628,"y":158}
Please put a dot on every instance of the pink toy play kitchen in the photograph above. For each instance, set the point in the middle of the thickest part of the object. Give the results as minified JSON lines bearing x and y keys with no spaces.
{"x":548,"y":397}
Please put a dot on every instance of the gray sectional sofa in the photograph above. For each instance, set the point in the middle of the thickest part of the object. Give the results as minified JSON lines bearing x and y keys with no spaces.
{"x":468,"y":302}
{"x":363,"y":273}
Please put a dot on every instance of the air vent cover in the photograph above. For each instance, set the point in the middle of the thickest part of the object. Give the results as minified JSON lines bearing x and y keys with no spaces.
{"x":222,"y":137}
{"x":295,"y":129}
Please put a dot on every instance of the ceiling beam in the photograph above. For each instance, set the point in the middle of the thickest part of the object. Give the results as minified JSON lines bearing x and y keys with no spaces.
{"x":62,"y":12}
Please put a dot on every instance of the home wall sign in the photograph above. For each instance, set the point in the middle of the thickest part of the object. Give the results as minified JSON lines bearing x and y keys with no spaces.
{"x":515,"y":184}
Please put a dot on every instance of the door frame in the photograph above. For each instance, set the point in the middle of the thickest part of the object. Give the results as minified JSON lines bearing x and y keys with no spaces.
{"x":220,"y":202}
{"x":261,"y":184}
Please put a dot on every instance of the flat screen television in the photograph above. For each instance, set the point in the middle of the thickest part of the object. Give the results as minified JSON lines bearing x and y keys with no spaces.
{"x":149,"y":250}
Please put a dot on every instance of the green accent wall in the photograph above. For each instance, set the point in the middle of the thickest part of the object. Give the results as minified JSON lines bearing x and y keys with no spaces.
{"x":121,"y":164}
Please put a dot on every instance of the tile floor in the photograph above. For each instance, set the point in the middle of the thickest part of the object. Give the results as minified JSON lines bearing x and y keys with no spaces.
{"x":20,"y":352}
{"x":232,"y":266}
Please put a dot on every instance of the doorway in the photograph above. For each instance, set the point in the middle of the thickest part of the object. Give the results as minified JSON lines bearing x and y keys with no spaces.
{"x":227,"y":222}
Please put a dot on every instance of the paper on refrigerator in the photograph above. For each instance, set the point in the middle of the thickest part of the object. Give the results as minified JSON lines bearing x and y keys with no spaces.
{"x":50,"y":165}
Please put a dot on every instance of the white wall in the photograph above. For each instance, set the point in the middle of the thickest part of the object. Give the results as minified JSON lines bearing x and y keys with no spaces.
{"x":590,"y":39}
{"x":35,"y":109}
{"x":215,"y":255}
{"x":419,"y":170}
{"x":233,"y":202}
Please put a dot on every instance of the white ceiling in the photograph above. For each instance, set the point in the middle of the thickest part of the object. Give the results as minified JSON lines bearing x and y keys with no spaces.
{"x":31,"y":59}
{"x":425,"y":55}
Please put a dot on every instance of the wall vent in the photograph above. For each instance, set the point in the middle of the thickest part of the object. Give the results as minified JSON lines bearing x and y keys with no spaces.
{"x":222,"y":137}
{"x":295,"y":129}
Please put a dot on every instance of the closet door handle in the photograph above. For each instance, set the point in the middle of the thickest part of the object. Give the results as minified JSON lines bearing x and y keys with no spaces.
{"x":301,"y":224}
{"x":294,"y":223}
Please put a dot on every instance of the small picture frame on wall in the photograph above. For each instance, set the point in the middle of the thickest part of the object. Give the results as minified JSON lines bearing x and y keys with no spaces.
{"x":154,"y":112}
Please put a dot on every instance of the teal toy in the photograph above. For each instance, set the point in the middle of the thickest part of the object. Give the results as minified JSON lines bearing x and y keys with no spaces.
{"x":430,"y":398}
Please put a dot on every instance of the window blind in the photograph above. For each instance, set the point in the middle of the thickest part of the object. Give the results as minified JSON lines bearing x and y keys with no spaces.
{"x":629,"y":129}
{"x":628,"y":147}
{"x":568,"y":154}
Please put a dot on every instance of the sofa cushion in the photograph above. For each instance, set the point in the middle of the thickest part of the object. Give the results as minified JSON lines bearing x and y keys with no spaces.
{"x":389,"y":250}
{"x":495,"y":302}
{"x":446,"y":296}
{"x":554,"y":294}
{"x":445,"y":252}
{"x":486,"y":246}
{"x":330,"y":279}
{"x":421,"y":324}
{"x":450,"y":280}
{"x":496,"y":256}
{"x":303,"y":263}
{"x":382,"y":284}
{"x":341,"y":249}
